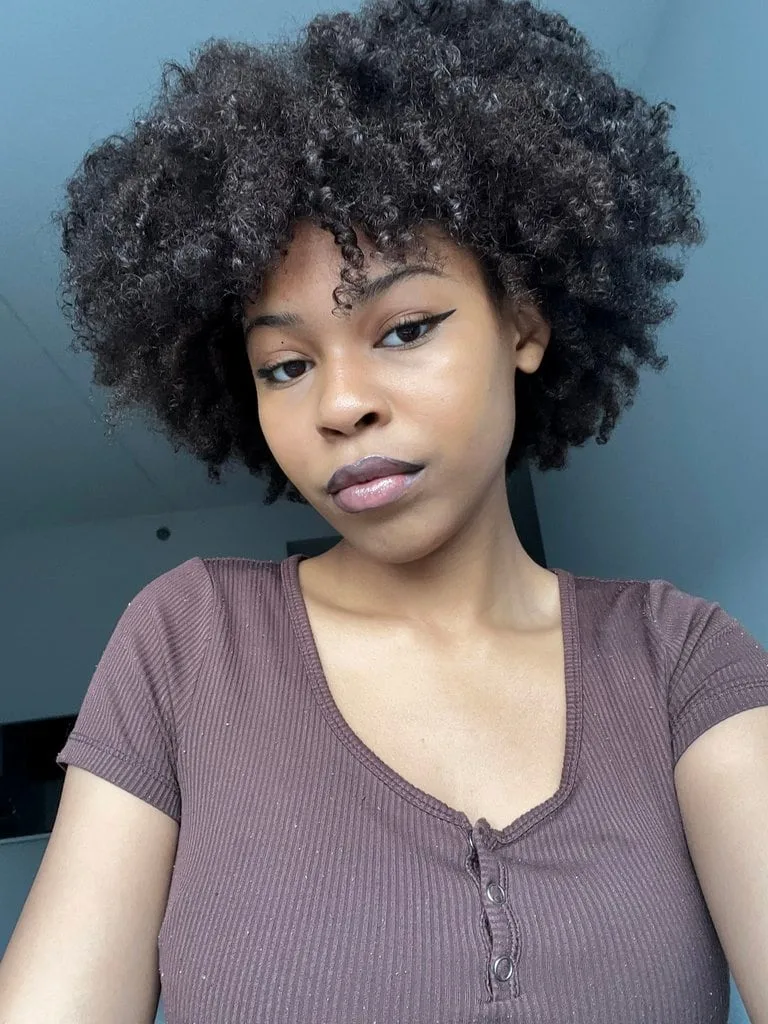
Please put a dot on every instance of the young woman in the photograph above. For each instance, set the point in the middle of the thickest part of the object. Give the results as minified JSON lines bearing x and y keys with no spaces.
{"x":419,"y":778}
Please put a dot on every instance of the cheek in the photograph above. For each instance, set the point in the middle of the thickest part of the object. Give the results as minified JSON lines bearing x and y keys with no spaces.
{"x":284,"y":431}
{"x":470,"y":389}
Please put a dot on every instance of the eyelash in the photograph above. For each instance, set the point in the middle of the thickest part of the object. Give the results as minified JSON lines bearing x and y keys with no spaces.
{"x":265,"y":373}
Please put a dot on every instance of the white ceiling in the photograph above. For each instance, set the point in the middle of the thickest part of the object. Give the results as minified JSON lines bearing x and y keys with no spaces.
{"x":71,"y":73}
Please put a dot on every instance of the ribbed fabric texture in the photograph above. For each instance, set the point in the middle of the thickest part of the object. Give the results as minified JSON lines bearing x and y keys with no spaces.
{"x":314,"y":885}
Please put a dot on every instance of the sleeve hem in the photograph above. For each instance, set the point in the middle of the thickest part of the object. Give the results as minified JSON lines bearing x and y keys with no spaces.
{"x":117,"y":768}
{"x":706,"y":713}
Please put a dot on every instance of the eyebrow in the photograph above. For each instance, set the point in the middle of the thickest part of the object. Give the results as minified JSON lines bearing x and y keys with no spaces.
{"x":369,"y":291}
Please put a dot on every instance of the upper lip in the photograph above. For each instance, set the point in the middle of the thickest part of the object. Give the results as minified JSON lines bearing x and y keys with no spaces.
{"x":370,"y":468}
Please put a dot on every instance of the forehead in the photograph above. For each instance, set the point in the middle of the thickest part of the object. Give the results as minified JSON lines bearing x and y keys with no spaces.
{"x":312,"y":263}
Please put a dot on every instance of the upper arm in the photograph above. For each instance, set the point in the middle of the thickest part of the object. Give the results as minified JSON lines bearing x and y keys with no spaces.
{"x":84,"y":950}
{"x":722,"y":788}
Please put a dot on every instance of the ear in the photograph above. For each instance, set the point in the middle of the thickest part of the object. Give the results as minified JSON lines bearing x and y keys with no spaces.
{"x":532,"y":337}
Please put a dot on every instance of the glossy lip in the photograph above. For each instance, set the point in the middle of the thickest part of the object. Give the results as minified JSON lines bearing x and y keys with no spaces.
{"x":375,"y":494}
{"x":369,"y":468}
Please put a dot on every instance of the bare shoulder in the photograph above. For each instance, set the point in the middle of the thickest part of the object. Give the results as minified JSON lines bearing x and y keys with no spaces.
{"x":84,"y":948}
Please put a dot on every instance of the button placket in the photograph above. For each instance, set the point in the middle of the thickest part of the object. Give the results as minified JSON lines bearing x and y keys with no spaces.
{"x":473,"y":867}
{"x":504,"y":952}
{"x":514,"y":930}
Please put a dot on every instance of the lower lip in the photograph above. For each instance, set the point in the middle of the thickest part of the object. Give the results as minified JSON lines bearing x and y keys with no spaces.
{"x":375,"y":493}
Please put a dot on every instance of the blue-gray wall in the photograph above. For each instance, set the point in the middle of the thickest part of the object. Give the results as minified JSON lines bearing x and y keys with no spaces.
{"x":681,"y":491}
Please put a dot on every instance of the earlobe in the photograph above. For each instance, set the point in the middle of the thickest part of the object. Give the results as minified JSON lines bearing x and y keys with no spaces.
{"x":533,"y":339}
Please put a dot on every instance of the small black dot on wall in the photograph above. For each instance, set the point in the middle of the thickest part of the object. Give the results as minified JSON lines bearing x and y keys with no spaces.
{"x":163,"y":533}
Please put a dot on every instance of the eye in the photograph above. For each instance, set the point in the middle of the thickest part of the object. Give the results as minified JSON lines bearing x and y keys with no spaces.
{"x":291,"y":368}
{"x":415,"y":330}
{"x":412,"y":330}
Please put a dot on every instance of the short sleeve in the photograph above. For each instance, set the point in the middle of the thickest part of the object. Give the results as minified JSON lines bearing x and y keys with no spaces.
{"x":716,"y":668}
{"x":128,"y":726}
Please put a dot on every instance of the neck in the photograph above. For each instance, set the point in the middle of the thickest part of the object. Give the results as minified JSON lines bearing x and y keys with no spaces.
{"x":481,"y":578}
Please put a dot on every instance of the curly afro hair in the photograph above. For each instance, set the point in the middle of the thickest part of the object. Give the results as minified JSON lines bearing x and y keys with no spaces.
{"x":492,"y":119}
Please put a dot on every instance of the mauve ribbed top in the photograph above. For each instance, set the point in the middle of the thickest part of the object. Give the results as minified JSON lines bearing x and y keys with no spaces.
{"x":314,"y":885}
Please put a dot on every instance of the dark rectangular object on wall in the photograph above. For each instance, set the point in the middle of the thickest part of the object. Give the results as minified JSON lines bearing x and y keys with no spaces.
{"x":30,"y":779}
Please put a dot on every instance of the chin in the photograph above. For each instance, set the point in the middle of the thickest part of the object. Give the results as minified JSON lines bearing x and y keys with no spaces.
{"x":395,"y":543}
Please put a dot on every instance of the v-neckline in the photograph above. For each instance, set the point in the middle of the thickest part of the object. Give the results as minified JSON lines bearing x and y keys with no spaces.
{"x":299,"y":614}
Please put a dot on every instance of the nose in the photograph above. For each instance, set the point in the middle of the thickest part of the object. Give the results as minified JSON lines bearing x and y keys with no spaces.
{"x":350,"y":398}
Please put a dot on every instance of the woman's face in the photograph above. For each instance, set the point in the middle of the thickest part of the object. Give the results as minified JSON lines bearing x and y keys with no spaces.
{"x":334,"y":389}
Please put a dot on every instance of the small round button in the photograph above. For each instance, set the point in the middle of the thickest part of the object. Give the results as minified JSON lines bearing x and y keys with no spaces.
{"x":495,"y":892}
{"x":502,"y":968}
